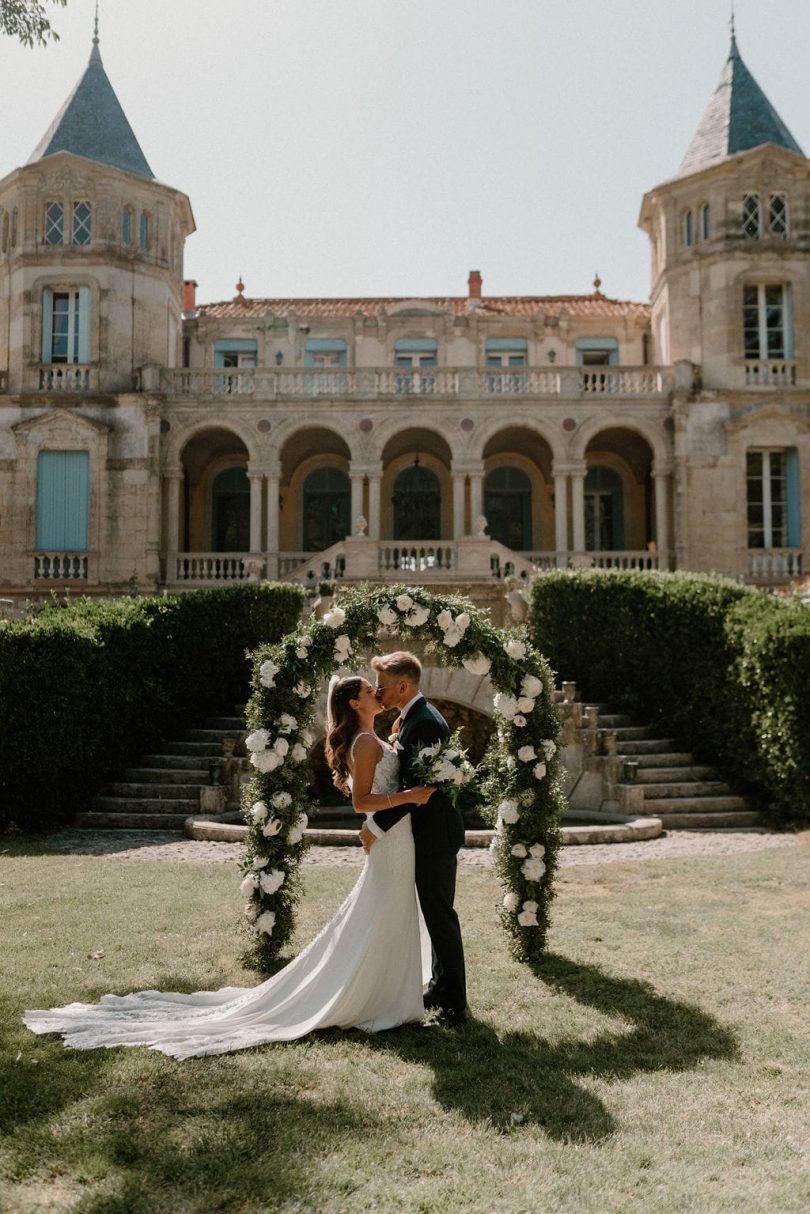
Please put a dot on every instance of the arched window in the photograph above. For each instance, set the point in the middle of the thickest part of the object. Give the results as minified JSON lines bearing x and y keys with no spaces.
{"x":230,"y":511}
{"x":705,"y":222}
{"x":688,"y":228}
{"x":508,"y":507}
{"x":327,"y":496}
{"x":604,"y":510}
{"x":126,"y":225}
{"x":417,"y":504}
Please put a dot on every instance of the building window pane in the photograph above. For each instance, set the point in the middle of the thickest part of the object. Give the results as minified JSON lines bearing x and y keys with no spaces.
{"x":688,"y":228}
{"x":82,"y":223}
{"x":706,"y":222}
{"x":143,"y":231}
{"x":54,"y":223}
{"x":65,"y":326}
{"x":778,"y":224}
{"x":766,"y":321}
{"x":768,"y":499}
{"x":126,"y":225}
{"x":751,"y":226}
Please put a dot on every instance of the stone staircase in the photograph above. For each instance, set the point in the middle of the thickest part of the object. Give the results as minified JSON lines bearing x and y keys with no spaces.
{"x":684,"y":794}
{"x":165,"y":789}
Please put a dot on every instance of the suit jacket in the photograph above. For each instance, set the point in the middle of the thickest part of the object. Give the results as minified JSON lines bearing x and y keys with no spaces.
{"x":422,"y":726}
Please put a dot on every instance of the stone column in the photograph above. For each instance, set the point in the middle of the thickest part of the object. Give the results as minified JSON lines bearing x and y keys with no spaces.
{"x":578,"y":507}
{"x":357,"y":479}
{"x":273,"y":480}
{"x":476,"y":499}
{"x":256,"y":479}
{"x":561,"y":518}
{"x":459,"y":486}
{"x":374,"y":505}
{"x":661,"y":479}
{"x":174,"y":481}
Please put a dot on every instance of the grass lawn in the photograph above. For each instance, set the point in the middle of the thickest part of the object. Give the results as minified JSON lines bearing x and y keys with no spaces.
{"x":658,"y":1060}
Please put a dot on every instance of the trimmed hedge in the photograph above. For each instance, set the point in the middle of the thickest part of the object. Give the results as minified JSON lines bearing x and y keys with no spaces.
{"x":88,"y":687}
{"x":718,"y":666}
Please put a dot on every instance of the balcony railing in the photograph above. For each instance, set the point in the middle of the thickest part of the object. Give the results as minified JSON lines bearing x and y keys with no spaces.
{"x":62,"y":566}
{"x":66,"y":377}
{"x":774,"y":564}
{"x":770,"y":373}
{"x":212,"y":568}
{"x":407,"y":559}
{"x":643,"y":559}
{"x":396,"y":383}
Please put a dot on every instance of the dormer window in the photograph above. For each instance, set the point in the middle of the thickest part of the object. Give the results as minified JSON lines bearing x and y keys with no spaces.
{"x":778,"y":221}
{"x":54,"y":223}
{"x":82,"y":223}
{"x":751,"y":217}
{"x":688,"y":228}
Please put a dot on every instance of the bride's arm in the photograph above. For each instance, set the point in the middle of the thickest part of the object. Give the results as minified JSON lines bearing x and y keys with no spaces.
{"x":367,"y":754}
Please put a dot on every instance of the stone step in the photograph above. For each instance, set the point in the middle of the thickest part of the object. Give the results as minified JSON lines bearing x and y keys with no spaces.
{"x":698,"y":805}
{"x":669,"y":758}
{"x":214,"y":736}
{"x":104,"y":821}
{"x":645,"y":746}
{"x":132,"y":789}
{"x":631,"y":733}
{"x":177,"y":763}
{"x":666,"y":775}
{"x":711,"y":821}
{"x":201,"y":750}
{"x":145,"y":805}
{"x":165,"y":775}
{"x":227,"y":724}
{"x":615,"y":720}
{"x":689,"y":789}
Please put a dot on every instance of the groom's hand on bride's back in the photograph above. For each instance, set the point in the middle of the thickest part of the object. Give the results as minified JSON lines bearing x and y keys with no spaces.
{"x":421,"y":794}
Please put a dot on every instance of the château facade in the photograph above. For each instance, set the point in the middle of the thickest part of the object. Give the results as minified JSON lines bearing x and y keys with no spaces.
{"x":148,"y":440}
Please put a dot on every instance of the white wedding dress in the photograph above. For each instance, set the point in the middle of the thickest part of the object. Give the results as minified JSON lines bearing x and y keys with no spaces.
{"x":364,"y":970}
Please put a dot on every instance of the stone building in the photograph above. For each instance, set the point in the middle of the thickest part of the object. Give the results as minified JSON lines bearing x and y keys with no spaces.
{"x":151,"y":441}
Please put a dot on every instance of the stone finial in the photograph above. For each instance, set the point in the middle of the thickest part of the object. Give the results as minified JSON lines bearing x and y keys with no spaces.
{"x":481,"y":525}
{"x":360,"y":525}
{"x":597,"y":283}
{"x":240,"y":291}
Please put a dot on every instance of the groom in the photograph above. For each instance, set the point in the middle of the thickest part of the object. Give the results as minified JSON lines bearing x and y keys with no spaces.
{"x":438,"y":833}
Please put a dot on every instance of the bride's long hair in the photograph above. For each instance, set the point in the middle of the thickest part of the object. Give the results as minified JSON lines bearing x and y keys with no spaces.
{"x":343,"y":725}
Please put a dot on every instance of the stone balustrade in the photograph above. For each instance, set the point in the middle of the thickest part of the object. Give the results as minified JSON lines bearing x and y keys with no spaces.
{"x":67,"y":377}
{"x":770,"y":373}
{"x":774,"y":564}
{"x":62,"y":566}
{"x":213,"y":568}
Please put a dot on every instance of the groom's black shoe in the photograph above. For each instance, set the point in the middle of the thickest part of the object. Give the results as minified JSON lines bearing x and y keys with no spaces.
{"x":446,"y":1018}
{"x":431,"y":1001}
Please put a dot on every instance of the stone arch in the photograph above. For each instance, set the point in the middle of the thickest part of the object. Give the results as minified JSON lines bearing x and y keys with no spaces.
{"x":305,"y":449}
{"x":657,"y":439}
{"x":180,"y":438}
{"x":527,"y":449}
{"x":487,"y":431}
{"x":423,"y":446}
{"x":618,"y":490}
{"x":211,"y":451}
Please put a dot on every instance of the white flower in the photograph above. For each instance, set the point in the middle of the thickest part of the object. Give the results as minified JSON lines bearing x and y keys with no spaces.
{"x":417,"y":616}
{"x":251,"y":911}
{"x":527,"y":919}
{"x":533,"y":868}
{"x":302,"y":690}
{"x":404,"y":602}
{"x":286,"y":723}
{"x":266,"y":922}
{"x":271,"y":828}
{"x":387,"y":616}
{"x":427,"y":752}
{"x":334,"y":618}
{"x":526,"y":754}
{"x":463,"y":621}
{"x":302,"y":653}
{"x":248,"y":885}
{"x":531,"y":686}
{"x":445,"y":620}
{"x":526,"y":704}
{"x":267,"y":673}
{"x":530,"y":906}
{"x":260,"y":861}
{"x":296,"y":832}
{"x":511,"y":902}
{"x":549,"y":749}
{"x":519,"y":850}
{"x":516,"y":650}
{"x":519,"y":721}
{"x":537,"y":850}
{"x":526,"y":797}
{"x":508,"y":811}
{"x":476,"y":663}
{"x":257,"y":740}
{"x":281,"y":746}
{"x":281,"y":800}
{"x":298,"y":753}
{"x":266,"y":760}
{"x":539,"y":770}
{"x":272,"y":881}
{"x":258,"y":811}
{"x":343,"y":644}
{"x":452,"y":637}
{"x":505,"y":705}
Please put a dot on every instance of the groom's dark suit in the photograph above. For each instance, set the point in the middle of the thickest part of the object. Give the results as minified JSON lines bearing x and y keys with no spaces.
{"x":438,"y":832}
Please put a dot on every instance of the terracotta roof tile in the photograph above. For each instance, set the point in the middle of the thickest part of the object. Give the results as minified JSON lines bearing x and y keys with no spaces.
{"x":519,"y":306}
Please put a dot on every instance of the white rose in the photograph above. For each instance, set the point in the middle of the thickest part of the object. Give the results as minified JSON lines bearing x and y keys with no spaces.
{"x":272,"y":881}
{"x":511,"y":902}
{"x":476,"y":663}
{"x":445,"y":620}
{"x":531,"y":686}
{"x":452,"y":637}
{"x":418,"y":616}
{"x":463,"y":621}
{"x":266,"y":922}
{"x":266,"y":760}
{"x":505,"y":705}
{"x":258,"y":811}
{"x":281,"y":800}
{"x":508,"y":812}
{"x":343,"y":644}
{"x":248,"y":885}
{"x":549,"y":748}
{"x":257,"y":740}
{"x":296,"y":833}
{"x":427,"y":752}
{"x":539,"y":771}
{"x":519,"y":721}
{"x":334,"y":618}
{"x":302,"y":690}
{"x":286,"y":723}
{"x":267,"y":673}
{"x":298,"y":753}
{"x":302,"y":653}
{"x":537,"y":850}
{"x":526,"y":704}
{"x":533,"y":868}
{"x":271,"y":828}
{"x":527,"y":919}
{"x":387,"y":616}
{"x":530,"y":906}
{"x":404,"y":602}
{"x":526,"y":754}
{"x":519,"y":850}
{"x":259,"y":861}
{"x":516,"y":650}
{"x":281,"y":746}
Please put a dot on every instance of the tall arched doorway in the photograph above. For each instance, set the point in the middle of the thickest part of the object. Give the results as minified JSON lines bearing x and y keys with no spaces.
{"x":604,"y":510}
{"x":508,"y":507}
{"x":230,"y":510}
{"x":326,"y":508}
{"x":417,"y":504}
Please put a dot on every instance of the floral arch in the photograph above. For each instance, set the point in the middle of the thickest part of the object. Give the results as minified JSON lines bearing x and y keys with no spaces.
{"x":518,"y":773}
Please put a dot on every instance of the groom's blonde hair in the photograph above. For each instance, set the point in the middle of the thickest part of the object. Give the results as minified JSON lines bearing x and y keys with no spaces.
{"x":401,"y":664}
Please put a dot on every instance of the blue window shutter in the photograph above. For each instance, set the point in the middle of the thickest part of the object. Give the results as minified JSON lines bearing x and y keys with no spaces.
{"x":324,"y":345}
{"x":47,"y":325}
{"x":793,"y":520}
{"x":233,"y":345}
{"x":513,"y":344}
{"x":63,"y":500}
{"x":84,"y":324}
{"x":609,"y":344}
{"x":416,"y":345}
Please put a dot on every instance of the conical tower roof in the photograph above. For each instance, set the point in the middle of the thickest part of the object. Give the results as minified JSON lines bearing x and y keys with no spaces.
{"x":738,"y":117}
{"x":92,"y":124}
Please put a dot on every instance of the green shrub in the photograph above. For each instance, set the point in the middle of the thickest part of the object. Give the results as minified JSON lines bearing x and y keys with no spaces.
{"x":88,"y":687}
{"x":714,"y":665}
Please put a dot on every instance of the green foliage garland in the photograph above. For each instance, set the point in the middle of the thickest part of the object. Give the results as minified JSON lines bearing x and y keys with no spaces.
{"x":524,"y":800}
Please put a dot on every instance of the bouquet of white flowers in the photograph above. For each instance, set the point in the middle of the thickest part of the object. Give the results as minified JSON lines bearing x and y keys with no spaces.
{"x":445,"y":766}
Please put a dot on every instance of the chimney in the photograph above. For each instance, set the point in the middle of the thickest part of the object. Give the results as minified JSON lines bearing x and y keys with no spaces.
{"x":474,"y":285}
{"x":189,"y":295}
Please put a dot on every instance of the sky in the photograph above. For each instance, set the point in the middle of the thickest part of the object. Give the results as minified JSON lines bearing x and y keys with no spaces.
{"x":388,"y":147}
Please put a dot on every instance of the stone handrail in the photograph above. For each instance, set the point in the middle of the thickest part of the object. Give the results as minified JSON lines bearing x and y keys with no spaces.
{"x":67,"y":377}
{"x":770,"y":373}
{"x":62,"y":566}
{"x":774,"y":564}
{"x":213,"y":568}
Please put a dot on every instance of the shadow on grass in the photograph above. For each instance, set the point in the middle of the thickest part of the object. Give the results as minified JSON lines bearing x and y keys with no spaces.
{"x":487,"y":1076}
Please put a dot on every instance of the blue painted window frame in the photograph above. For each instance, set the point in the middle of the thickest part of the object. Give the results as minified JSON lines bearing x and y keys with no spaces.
{"x":63,"y":501}
{"x":602,"y":345}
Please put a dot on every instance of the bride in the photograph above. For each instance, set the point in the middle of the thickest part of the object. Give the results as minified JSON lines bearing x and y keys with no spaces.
{"x":364,"y":970}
